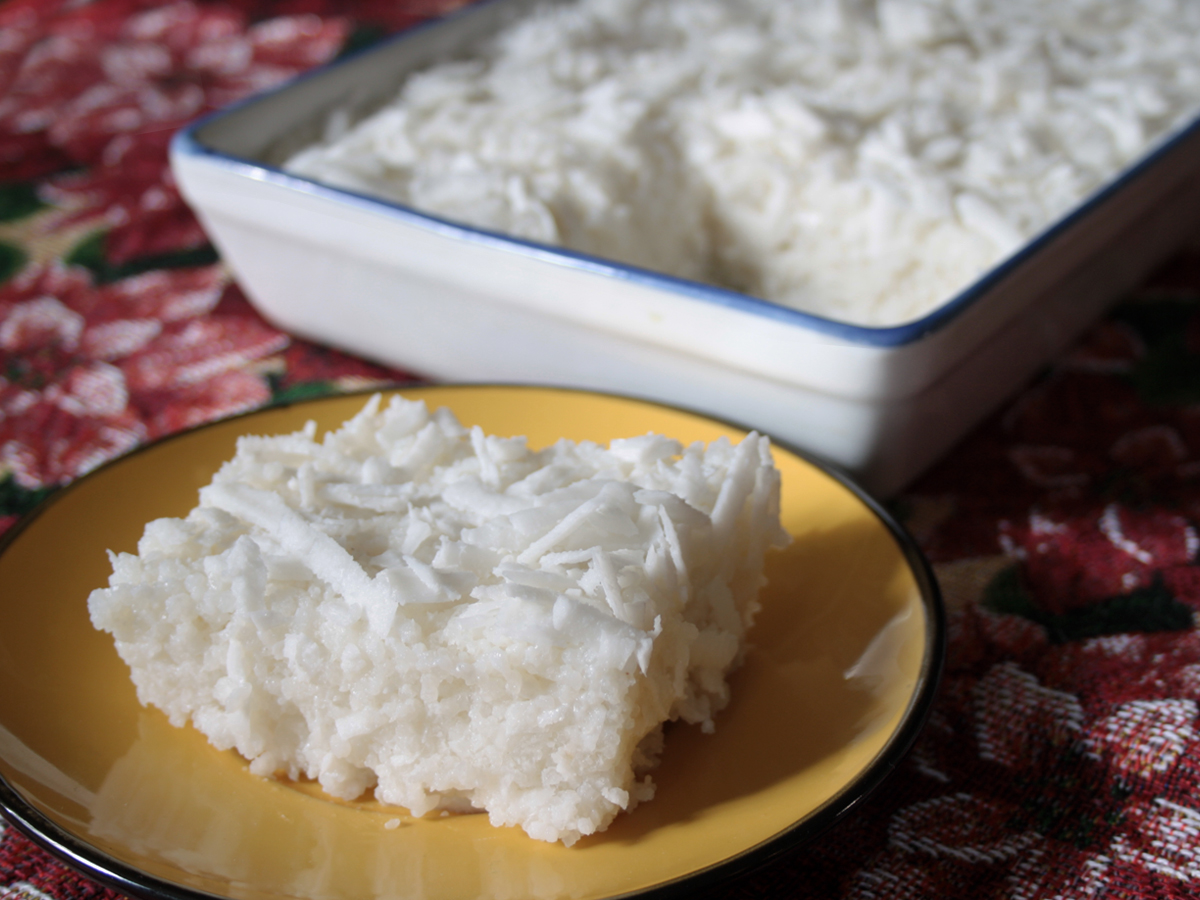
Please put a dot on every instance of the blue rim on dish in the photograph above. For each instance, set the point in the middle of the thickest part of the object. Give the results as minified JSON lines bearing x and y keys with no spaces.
{"x":93,"y":862}
{"x":190,"y":142}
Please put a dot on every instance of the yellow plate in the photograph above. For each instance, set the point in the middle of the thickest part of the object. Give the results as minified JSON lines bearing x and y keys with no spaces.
{"x":845,"y":656}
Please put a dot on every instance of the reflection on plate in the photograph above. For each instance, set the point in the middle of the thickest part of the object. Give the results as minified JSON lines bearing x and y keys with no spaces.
{"x":845,"y":657}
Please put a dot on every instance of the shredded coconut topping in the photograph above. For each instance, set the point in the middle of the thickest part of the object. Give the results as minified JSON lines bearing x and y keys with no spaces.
{"x":451,"y":618}
{"x":860,"y":159}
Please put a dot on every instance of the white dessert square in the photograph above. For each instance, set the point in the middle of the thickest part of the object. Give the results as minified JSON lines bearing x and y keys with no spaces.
{"x":451,"y":618}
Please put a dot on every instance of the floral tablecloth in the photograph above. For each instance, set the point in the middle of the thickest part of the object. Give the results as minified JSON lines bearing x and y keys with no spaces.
{"x":1062,"y":758}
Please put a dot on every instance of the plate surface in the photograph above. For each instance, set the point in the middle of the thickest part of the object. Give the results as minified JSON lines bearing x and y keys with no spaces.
{"x":844,"y":660}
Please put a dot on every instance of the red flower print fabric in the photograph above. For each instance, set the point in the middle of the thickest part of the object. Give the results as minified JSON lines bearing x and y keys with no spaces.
{"x":93,"y":372}
{"x":1061,"y":758}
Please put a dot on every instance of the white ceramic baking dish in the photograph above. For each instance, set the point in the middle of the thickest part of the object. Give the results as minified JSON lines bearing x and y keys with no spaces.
{"x":458,"y":303}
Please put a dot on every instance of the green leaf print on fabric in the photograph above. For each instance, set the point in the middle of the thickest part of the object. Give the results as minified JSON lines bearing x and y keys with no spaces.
{"x":16,"y":500}
{"x":1148,"y":609}
{"x":12,"y":258}
{"x":18,"y":200}
{"x":1169,"y":372}
{"x":90,"y":253}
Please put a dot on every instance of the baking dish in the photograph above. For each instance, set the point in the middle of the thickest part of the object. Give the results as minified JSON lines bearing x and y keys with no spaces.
{"x":458,"y":303}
